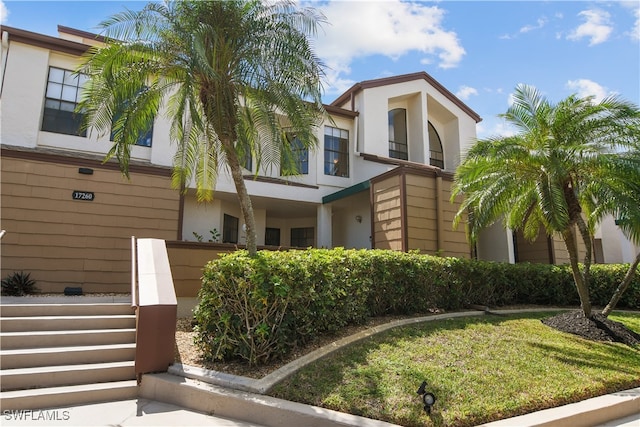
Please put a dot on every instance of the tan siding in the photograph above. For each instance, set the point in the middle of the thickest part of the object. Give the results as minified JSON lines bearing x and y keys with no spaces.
{"x":455,"y":242}
{"x":422,"y":215}
{"x":561,"y":255}
{"x":422,"y":218}
{"x":187,"y":263}
{"x":63,"y":242}
{"x":537,"y":251}
{"x":387,"y":214}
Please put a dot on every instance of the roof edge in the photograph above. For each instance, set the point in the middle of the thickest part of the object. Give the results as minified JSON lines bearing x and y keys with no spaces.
{"x":45,"y":41}
{"x":385,"y":81}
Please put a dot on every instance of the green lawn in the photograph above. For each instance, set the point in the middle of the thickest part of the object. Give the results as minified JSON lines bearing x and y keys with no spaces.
{"x":481,"y":369}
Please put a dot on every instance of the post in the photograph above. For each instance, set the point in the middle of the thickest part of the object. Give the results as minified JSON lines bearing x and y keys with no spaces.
{"x":157,"y":308}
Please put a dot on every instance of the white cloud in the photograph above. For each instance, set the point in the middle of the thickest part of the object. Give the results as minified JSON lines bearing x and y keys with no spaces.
{"x":585,"y":87}
{"x":391,"y":28}
{"x":634,"y":33}
{"x":4,"y":12}
{"x":539,"y":24}
{"x":465,"y":92}
{"x":597,"y":27}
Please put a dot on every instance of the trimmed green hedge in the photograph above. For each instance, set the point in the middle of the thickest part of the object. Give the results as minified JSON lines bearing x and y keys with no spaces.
{"x":262,"y":308}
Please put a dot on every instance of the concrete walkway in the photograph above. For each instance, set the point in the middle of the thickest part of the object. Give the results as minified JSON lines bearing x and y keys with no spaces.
{"x":136,"y":412}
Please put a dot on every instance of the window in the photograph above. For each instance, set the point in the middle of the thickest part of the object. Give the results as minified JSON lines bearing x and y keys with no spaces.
{"x":336,"y":151}
{"x":299,"y":158}
{"x":436,"y":157}
{"x":248,"y":161}
{"x":302,"y":237}
{"x":272,"y":237}
{"x":398,"y":134}
{"x":230,"y":229}
{"x":61,"y":99}
{"x":144,"y":140}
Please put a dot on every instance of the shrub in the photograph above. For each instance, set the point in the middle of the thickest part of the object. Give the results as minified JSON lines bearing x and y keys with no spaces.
{"x":18,"y":284}
{"x":261,"y":308}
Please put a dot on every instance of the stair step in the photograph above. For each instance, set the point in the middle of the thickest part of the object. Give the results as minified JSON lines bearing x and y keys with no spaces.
{"x":55,"y":376}
{"x":52,"y":323}
{"x":16,"y":340}
{"x":75,"y":355}
{"x":22,"y":310}
{"x":55,"y":397}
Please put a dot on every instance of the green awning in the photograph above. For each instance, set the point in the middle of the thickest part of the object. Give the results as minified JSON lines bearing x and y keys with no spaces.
{"x":346,"y":192}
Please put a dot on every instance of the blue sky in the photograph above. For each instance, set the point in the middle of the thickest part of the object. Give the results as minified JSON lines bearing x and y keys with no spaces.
{"x":479,"y":50}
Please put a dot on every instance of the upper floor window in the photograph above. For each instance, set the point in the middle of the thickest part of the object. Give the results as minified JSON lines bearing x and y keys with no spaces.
{"x":336,"y":151}
{"x":144,"y":139}
{"x":61,"y":99}
{"x":436,"y":156}
{"x":299,"y":158}
{"x":248,"y":161}
{"x":398,"y":134}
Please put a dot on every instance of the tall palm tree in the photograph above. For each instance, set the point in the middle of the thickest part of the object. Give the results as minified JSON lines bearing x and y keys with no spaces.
{"x":569,"y":165}
{"x":234,"y":77}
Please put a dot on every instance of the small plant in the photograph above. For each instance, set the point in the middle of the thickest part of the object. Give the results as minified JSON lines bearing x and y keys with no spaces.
{"x":215,"y":235}
{"x":18,"y":284}
{"x":197,"y":236}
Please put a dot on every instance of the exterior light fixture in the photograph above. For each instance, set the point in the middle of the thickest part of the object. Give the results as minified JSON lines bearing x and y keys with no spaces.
{"x":85,"y":171}
{"x":427,"y":398}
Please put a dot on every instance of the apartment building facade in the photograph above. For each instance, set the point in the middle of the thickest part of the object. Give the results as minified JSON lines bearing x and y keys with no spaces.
{"x":379,"y":178}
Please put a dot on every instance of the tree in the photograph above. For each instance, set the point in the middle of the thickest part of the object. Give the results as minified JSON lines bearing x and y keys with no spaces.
{"x":569,"y":165}
{"x":236,"y":78}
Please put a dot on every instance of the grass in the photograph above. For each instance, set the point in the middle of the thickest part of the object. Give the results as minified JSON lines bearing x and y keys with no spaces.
{"x":480,"y":369}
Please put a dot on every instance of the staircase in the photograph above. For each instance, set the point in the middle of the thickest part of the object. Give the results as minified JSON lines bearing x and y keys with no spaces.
{"x":55,"y":355}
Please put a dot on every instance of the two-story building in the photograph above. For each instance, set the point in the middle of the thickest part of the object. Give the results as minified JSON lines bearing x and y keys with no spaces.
{"x":379,"y":178}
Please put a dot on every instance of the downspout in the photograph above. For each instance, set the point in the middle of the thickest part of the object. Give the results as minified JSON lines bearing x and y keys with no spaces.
{"x":355,"y":136}
{"x":5,"y":54}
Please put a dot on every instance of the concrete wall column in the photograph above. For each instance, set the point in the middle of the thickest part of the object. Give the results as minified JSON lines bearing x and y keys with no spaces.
{"x":324,"y":226}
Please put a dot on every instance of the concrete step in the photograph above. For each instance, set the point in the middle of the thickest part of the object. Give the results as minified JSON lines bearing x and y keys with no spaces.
{"x":30,"y":310}
{"x":58,"y":356}
{"x":56,"y":376}
{"x":57,"y":323}
{"x":17,"y":340}
{"x":53,"y":397}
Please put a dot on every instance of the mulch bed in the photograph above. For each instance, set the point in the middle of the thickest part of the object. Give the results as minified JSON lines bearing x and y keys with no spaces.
{"x":596,"y":328}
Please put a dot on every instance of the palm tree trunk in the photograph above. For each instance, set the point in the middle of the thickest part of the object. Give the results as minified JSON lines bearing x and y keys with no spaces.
{"x":622,"y":287}
{"x":583,"y":289}
{"x":243,"y":196}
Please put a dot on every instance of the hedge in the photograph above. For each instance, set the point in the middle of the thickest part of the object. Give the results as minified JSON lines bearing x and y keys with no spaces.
{"x":262,"y":308}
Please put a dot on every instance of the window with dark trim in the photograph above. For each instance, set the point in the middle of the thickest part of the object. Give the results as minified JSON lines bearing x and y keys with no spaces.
{"x":398,"y":134}
{"x":60,"y":102}
{"x":230,"y":229}
{"x":144,"y":139}
{"x":336,"y":151}
{"x":302,"y":237}
{"x":436,"y":156}
{"x":299,"y":157}
{"x":272,"y":237}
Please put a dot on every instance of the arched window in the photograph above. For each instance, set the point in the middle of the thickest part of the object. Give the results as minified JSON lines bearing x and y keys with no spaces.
{"x":436,"y":157}
{"x":398,"y":134}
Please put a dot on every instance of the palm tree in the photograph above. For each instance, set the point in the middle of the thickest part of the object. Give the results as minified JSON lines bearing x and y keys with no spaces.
{"x":234,"y":77}
{"x":570,"y":165}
